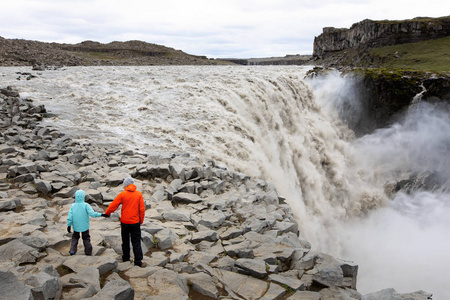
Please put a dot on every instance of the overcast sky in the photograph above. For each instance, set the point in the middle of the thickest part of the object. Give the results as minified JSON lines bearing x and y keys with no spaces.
{"x":215,"y":28}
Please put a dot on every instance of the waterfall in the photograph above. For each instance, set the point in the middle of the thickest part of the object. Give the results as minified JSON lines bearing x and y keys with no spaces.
{"x":417,"y":98}
{"x":268,"y":122}
{"x":263,"y":121}
{"x":401,"y":244}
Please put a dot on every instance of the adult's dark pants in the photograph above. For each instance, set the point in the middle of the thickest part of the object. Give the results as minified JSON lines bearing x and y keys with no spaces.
{"x":86,"y":242}
{"x":131,"y":232}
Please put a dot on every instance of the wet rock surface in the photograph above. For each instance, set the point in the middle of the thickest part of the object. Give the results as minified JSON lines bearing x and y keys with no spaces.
{"x":209,"y":233}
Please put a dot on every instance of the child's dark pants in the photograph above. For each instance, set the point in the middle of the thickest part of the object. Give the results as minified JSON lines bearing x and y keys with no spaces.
{"x":86,"y":242}
{"x":133,"y":232}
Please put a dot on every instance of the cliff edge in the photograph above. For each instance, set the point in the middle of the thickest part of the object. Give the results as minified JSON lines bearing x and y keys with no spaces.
{"x":373,"y":34}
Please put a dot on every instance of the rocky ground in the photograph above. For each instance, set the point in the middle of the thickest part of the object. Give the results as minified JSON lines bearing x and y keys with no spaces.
{"x":18,"y":52}
{"x":209,"y":233}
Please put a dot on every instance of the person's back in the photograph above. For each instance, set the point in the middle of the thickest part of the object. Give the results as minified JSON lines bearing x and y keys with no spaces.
{"x":131,"y":219}
{"x":133,"y":207}
{"x":78,"y":217}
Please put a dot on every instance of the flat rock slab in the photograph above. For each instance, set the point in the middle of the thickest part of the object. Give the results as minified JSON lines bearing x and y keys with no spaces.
{"x":168,"y":282}
{"x":186,"y":198}
{"x":243,"y":285}
{"x":203,"y":283}
{"x":78,"y":263}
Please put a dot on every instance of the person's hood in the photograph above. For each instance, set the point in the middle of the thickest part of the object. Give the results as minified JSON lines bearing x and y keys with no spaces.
{"x":131,"y":188}
{"x":79,"y":196}
{"x":127,"y":181}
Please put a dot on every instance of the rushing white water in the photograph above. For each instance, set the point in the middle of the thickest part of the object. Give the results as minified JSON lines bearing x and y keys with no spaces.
{"x":266,"y":122}
{"x":404,"y":244}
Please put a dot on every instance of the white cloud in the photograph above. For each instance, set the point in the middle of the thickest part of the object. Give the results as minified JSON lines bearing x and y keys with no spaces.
{"x":232,"y":28}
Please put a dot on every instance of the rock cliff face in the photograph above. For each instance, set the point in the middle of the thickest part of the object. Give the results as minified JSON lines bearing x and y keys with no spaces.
{"x":281,"y":61}
{"x":370,"y":34}
{"x":384,"y":94}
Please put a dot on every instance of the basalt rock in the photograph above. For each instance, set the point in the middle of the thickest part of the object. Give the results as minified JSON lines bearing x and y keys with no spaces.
{"x":383,"y":95}
{"x":369,"y":34}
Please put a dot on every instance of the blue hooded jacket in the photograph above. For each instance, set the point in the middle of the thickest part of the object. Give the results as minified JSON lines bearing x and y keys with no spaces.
{"x":79,"y":213}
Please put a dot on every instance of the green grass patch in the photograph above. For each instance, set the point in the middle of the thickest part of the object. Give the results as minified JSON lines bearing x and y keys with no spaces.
{"x":424,"y":20}
{"x":427,"y":56}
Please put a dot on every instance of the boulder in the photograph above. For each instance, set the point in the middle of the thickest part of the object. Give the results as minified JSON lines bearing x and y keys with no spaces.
{"x":275,"y":291}
{"x":68,"y":192}
{"x":24,"y":178}
{"x":115,"y":289}
{"x":18,"y":252}
{"x":253,"y":267}
{"x":285,"y":226}
{"x":177,"y":215}
{"x":45,"y":286}
{"x":166,"y":238}
{"x":231,"y":233}
{"x":78,"y":263}
{"x":243,"y":285}
{"x":6,"y":205}
{"x":198,"y":257}
{"x":158,"y":259}
{"x":212,"y":219}
{"x":272,"y":253}
{"x":186,"y":198}
{"x":205,"y":235}
{"x":38,"y":219}
{"x":147,"y":240}
{"x":241,"y":250}
{"x":392,"y":294}
{"x":293,"y":283}
{"x":159,"y":171}
{"x":349,"y":270}
{"x":115,"y":178}
{"x":203,"y":283}
{"x":43,"y":187}
{"x":166,"y":282}
{"x":90,"y":276}
{"x":12,"y":288}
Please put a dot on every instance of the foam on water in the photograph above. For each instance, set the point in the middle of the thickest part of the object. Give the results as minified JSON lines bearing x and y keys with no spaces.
{"x":405,"y":243}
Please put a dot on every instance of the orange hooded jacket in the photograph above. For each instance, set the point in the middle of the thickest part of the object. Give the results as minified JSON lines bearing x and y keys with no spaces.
{"x":133,"y":206}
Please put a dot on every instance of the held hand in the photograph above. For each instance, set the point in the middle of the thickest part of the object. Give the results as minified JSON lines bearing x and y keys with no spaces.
{"x":68,"y":229}
{"x":105,"y":215}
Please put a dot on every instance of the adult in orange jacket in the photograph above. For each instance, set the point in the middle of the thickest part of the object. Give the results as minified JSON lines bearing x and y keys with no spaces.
{"x":132,"y":217}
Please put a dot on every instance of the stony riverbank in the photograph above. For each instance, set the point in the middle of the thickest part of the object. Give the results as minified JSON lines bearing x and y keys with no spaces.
{"x":209,"y":233}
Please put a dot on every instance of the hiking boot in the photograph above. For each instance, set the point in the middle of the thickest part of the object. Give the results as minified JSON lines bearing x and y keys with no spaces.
{"x":71,"y":253}
{"x":140,"y":264}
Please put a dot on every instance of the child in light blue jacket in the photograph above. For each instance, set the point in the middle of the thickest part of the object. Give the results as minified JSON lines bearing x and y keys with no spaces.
{"x":79,"y":218}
